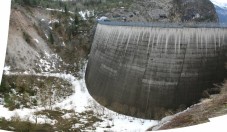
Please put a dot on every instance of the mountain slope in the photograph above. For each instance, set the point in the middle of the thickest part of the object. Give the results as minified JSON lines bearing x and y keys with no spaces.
{"x":43,"y":39}
{"x":165,"y":11}
{"x":27,"y":49}
{"x":222,"y":14}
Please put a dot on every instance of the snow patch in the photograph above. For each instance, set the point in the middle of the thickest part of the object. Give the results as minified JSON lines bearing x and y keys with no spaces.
{"x":63,"y":43}
{"x":6,"y":69}
{"x":36,"y":40}
{"x":50,"y":28}
{"x":58,"y":10}
{"x":49,"y":62}
{"x":53,"y":21}
{"x":46,"y":36}
{"x":81,"y":101}
{"x":86,"y":13}
{"x":1,"y":101}
{"x":71,"y":19}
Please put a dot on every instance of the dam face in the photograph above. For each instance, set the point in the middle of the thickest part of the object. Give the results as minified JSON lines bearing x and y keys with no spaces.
{"x":141,"y":71}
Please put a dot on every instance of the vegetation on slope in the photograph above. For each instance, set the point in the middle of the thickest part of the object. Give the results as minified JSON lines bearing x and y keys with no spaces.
{"x":76,"y":33}
{"x":62,"y":124}
{"x":197,"y":11}
{"x":28,"y":91}
{"x":70,"y":29}
{"x":213,"y":106}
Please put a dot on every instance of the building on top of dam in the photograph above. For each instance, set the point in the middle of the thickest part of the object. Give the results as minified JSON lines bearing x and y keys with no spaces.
{"x":143,"y":70}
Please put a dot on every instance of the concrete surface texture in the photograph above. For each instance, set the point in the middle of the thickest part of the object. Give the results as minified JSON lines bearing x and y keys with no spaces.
{"x":142,"y":71}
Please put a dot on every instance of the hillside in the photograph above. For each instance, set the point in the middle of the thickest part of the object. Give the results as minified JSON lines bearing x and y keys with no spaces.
{"x":164,"y":11}
{"x":41,"y":35}
{"x":213,"y":106}
{"x":27,"y":49}
{"x":43,"y":87}
{"x":42,"y":39}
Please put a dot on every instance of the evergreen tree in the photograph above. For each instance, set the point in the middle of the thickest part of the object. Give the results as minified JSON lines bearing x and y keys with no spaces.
{"x":66,"y":9}
{"x":3,"y":87}
{"x":27,"y":2}
{"x":51,"y":38}
{"x":76,"y":19}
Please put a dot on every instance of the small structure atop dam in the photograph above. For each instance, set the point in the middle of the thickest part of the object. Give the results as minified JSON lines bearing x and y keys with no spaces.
{"x":143,"y":70}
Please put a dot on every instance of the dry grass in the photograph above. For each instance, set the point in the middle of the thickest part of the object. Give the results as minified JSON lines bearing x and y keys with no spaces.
{"x":29,"y":90}
{"x":19,"y":125}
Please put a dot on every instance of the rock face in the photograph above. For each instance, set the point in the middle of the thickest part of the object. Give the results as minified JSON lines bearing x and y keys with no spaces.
{"x":165,"y":11}
{"x":194,"y":10}
{"x":26,"y":48}
{"x":141,"y":71}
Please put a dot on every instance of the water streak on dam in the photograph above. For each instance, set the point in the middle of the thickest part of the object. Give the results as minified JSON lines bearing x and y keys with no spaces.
{"x":140,"y":71}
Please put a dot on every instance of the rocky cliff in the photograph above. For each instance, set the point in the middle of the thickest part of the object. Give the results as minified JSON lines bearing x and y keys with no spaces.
{"x":166,"y":11}
{"x":46,"y":40}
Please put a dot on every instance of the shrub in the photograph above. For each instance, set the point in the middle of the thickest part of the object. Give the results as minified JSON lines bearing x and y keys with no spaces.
{"x":16,"y":124}
{"x":27,"y":37}
{"x":28,"y":2}
{"x":51,"y":38}
{"x":3,"y":87}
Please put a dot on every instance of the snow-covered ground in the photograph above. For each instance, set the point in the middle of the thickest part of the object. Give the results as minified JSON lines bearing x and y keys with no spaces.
{"x":4,"y":131}
{"x":86,"y":13}
{"x":83,"y":14}
{"x":80,"y":101}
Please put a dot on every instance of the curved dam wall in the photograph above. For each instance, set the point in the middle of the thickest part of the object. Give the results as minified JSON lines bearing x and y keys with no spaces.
{"x":141,"y":71}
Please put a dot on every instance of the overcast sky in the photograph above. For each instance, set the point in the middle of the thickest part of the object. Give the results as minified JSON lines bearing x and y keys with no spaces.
{"x":220,"y":1}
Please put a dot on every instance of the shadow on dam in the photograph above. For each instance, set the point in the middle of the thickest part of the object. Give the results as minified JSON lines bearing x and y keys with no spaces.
{"x":144,"y":70}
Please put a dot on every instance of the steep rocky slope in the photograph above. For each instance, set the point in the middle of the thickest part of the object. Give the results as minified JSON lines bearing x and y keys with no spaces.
{"x":142,"y":11}
{"x":166,"y":11}
{"x":27,"y":49}
{"x":39,"y":37}
{"x":39,"y":42}
{"x":42,"y":40}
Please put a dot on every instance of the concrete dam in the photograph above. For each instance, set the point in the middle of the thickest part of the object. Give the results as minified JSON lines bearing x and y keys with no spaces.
{"x":143,"y":70}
